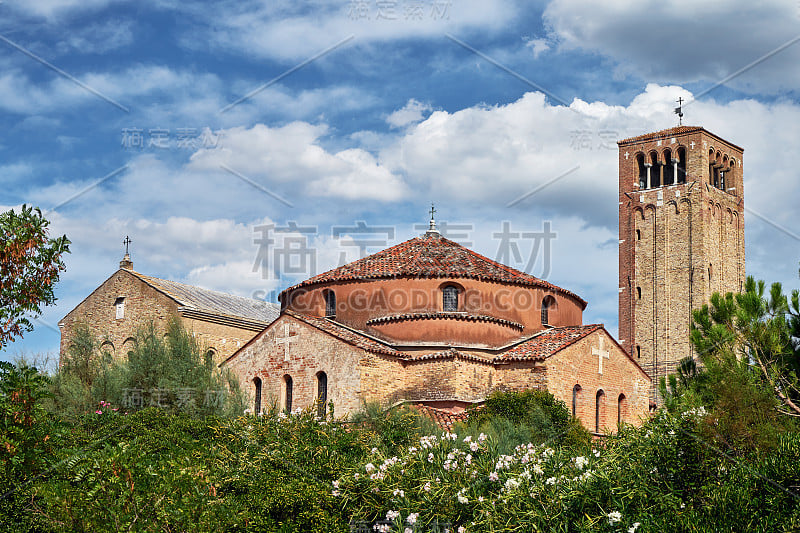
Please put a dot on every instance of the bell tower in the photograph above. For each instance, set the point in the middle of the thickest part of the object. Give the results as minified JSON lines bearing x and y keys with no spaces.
{"x":681,"y":238}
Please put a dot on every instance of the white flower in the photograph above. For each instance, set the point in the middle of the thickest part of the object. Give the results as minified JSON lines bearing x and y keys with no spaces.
{"x":335,"y":493}
{"x":427,"y":487}
{"x":408,"y":530}
{"x":596,"y":453}
{"x":468,"y":438}
{"x":399,"y":492}
{"x":382,"y":528}
{"x":511,"y":484}
{"x":335,"y":484}
{"x":633,"y":528}
{"x":551,"y":481}
{"x":537,"y":469}
{"x":412,"y":518}
{"x":480,"y":499}
{"x":493,"y":476}
{"x":391,"y":515}
{"x":473,"y":446}
{"x":614,"y":517}
{"x":369,"y":467}
{"x":581,"y":462}
{"x":374,"y":451}
{"x":462,"y":529}
{"x":462,"y":498}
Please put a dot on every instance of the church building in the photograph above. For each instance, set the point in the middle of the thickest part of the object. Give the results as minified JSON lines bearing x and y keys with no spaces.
{"x":431,"y":322}
{"x":222,"y":323}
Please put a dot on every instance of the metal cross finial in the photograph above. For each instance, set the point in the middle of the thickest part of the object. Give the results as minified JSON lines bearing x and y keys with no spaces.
{"x":126,"y":242}
{"x":679,"y":111}
{"x":433,"y":210}
{"x":432,"y":227}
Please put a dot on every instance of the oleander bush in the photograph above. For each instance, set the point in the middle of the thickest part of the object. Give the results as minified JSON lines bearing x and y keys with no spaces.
{"x":160,"y":470}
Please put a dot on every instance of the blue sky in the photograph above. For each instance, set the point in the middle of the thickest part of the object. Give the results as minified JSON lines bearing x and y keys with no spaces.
{"x":118,"y":121}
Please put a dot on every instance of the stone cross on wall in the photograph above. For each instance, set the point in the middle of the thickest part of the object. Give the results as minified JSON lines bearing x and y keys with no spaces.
{"x":601,"y":354}
{"x":286,"y":340}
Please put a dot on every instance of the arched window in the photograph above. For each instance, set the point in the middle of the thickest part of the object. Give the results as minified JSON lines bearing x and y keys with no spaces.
{"x":599,"y":410}
{"x":638,"y":293}
{"x":322,"y":394}
{"x":669,"y":167}
{"x":548,"y":304}
{"x":208,"y":358}
{"x":576,"y":396}
{"x":642,"y":171}
{"x":638,"y":352}
{"x":681,"y":165}
{"x":638,"y":235}
{"x":655,"y":170}
{"x":288,"y":385}
{"x":330,"y":304}
{"x":257,"y":402}
{"x":622,"y":405}
{"x":450,"y":298}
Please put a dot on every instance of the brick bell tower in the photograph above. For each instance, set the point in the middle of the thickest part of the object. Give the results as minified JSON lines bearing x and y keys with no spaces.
{"x":681,"y":238}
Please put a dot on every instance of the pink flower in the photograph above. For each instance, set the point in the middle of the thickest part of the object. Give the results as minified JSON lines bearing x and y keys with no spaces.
{"x":98,"y":412}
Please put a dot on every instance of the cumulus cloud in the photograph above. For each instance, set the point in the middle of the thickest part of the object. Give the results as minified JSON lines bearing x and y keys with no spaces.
{"x":292,"y":154}
{"x":411,"y":113}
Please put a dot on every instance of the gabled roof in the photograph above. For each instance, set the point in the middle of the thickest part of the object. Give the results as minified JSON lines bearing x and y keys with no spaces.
{"x":429,"y":256}
{"x":212,"y":302}
{"x":548,"y":342}
{"x":348,"y":335}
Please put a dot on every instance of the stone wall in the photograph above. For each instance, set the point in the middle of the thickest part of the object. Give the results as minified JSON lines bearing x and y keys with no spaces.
{"x":142,"y":304}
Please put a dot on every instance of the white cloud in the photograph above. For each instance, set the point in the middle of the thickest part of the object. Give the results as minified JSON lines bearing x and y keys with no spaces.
{"x":296,"y":32}
{"x":292,"y":154}
{"x":411,"y":113}
{"x":538,"y":46}
{"x":685,"y":41}
{"x":53,"y":8}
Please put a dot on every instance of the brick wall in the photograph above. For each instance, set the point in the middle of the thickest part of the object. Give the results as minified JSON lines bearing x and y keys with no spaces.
{"x":576,"y":365}
{"x":678,"y":244}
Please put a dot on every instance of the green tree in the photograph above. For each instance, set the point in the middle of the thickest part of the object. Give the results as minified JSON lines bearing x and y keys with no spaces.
{"x":758,"y":330}
{"x":30,"y":264}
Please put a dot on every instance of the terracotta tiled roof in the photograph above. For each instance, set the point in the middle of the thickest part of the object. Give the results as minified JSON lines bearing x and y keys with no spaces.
{"x":445,"y":315}
{"x":213,"y":302}
{"x":548,"y":342}
{"x":348,"y":335}
{"x":444,"y":419}
{"x":429,"y":256}
{"x":677,"y":130}
{"x":449,"y":353}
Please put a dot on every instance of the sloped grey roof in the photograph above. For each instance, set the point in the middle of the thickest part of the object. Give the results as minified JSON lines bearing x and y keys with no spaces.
{"x":213,"y":302}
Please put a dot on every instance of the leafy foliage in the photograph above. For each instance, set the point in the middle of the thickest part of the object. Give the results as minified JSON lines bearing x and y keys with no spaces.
{"x":517,"y":417}
{"x":30,"y":264}
{"x":172,"y":370}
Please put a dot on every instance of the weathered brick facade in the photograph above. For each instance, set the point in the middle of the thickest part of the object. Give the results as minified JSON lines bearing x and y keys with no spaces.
{"x":681,"y":238}
{"x":389,"y":337}
{"x":128,"y":300}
